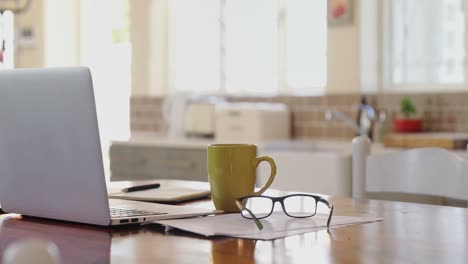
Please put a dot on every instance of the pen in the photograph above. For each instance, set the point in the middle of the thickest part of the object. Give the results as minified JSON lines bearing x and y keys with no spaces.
{"x":141,"y":187}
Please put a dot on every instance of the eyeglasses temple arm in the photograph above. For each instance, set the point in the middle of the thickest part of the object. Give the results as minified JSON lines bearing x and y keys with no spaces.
{"x":257,"y":222}
{"x":330,"y":217}
{"x":330,"y":205}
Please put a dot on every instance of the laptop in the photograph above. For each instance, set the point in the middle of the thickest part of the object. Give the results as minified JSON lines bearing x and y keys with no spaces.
{"x":50,"y":153}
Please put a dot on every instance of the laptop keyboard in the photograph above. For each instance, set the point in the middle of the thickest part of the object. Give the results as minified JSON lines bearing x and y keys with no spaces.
{"x":122,"y":212}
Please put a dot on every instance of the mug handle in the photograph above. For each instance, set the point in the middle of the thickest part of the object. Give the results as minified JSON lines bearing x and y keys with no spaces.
{"x":272,"y":173}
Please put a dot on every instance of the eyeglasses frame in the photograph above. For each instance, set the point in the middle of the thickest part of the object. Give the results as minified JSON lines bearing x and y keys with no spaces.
{"x":281,"y":201}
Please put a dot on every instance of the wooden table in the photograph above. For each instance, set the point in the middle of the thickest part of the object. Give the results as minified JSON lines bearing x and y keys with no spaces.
{"x":410,"y":233}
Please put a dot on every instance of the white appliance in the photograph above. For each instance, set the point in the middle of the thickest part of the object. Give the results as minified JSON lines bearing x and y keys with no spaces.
{"x":173,"y":111}
{"x":252,"y":122}
{"x":200,"y":119}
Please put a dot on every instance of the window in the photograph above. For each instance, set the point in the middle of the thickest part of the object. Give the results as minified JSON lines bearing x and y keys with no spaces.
{"x":306,"y":29}
{"x":6,"y":40}
{"x":250,"y":42}
{"x":259,"y":46}
{"x":105,"y":48}
{"x":424,"y":43}
{"x":194,"y":37}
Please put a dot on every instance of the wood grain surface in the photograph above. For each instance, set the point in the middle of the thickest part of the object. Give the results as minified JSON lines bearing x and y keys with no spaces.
{"x":417,"y":140}
{"x":409,"y":233}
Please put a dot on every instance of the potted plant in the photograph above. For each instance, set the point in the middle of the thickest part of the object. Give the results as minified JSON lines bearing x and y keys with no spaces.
{"x":407,"y":123}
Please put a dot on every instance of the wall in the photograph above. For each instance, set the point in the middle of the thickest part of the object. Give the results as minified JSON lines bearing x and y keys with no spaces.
{"x":442,"y":112}
{"x":149,"y":37}
{"x":140,"y":32}
{"x":30,"y":57}
{"x":55,"y":24}
{"x":344,"y":56}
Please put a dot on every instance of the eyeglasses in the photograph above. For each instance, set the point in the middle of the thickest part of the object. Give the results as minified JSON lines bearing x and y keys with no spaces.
{"x":257,"y":207}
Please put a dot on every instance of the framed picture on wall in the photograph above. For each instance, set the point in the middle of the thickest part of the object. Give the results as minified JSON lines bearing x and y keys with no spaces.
{"x":340,"y":12}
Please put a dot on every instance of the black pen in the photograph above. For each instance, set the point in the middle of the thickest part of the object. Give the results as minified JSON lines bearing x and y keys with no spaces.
{"x":141,"y":187}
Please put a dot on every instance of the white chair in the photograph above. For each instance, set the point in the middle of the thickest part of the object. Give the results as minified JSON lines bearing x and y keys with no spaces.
{"x":420,"y":171}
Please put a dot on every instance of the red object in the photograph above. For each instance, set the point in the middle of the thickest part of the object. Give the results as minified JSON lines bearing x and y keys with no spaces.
{"x":1,"y":56}
{"x":407,"y":125}
{"x":338,"y":11}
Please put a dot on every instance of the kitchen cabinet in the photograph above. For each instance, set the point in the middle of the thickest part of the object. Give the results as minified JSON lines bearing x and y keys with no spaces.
{"x":324,"y":168}
{"x":304,"y":166}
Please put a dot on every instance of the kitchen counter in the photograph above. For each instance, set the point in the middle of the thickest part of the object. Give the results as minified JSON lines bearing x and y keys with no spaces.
{"x":319,"y":166}
{"x":143,"y":139}
{"x":336,"y":146}
{"x":328,"y":146}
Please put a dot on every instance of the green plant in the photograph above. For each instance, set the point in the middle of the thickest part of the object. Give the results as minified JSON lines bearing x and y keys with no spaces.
{"x":407,"y":107}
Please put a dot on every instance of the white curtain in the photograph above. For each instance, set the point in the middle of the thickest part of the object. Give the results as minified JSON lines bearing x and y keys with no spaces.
{"x":424,"y":41}
{"x":109,"y":62}
{"x":247,"y":46}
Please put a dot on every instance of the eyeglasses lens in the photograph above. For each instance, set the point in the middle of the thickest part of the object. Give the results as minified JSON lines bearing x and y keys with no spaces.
{"x":259,"y":206}
{"x":300,"y":206}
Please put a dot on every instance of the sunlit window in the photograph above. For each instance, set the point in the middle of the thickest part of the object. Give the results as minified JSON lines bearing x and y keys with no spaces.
{"x":306,"y":29}
{"x":426,"y":42}
{"x":194,"y":40}
{"x":249,"y":46}
{"x":106,"y":49}
{"x":251,"y":43}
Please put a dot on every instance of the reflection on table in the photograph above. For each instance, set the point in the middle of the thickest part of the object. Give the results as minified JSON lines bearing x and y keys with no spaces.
{"x":409,"y":233}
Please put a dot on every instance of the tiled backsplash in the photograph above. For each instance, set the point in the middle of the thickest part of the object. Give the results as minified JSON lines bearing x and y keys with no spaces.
{"x":441,"y":112}
{"x":446,"y":112}
{"x":146,"y":114}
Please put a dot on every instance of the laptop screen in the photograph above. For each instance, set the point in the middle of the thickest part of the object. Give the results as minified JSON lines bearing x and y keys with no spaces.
{"x":50,"y":155}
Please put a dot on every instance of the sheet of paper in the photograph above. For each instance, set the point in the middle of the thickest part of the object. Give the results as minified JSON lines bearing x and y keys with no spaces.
{"x":277,"y":225}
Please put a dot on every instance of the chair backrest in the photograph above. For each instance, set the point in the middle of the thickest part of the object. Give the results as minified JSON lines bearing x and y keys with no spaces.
{"x":424,"y":171}
{"x":427,"y":171}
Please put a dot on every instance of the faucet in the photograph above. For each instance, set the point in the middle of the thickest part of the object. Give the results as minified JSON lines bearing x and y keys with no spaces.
{"x":365,"y":120}
{"x":334,"y":114}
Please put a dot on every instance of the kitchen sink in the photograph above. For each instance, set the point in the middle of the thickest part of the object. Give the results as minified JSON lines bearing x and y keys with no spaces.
{"x":317,"y":167}
{"x":303,"y":147}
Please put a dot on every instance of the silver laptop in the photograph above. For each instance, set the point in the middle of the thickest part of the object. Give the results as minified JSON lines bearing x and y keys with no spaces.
{"x":50,"y":153}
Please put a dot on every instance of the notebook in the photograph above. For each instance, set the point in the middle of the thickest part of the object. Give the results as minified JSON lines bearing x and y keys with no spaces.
{"x":170,"y":191}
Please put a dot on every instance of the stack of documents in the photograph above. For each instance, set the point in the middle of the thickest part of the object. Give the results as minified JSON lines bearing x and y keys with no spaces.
{"x":277,"y":225}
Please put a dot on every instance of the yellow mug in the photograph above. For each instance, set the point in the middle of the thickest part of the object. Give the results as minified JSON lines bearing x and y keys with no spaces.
{"x":232,"y":173}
